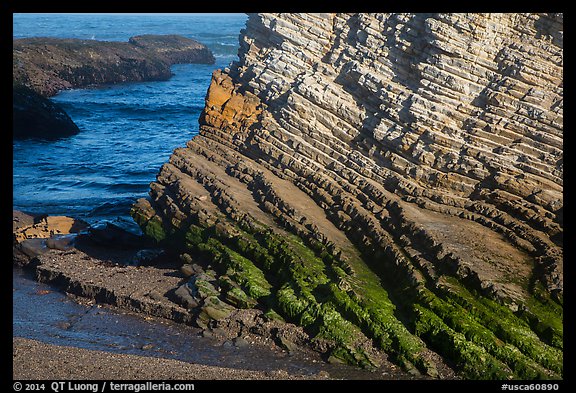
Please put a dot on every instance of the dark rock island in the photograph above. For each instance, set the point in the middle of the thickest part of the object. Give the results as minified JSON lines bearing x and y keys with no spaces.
{"x":35,"y":116}
{"x":48,"y":65}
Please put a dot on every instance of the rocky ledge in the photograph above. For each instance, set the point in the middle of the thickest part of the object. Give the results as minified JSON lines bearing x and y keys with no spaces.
{"x":44,"y":66}
{"x":388,"y":181}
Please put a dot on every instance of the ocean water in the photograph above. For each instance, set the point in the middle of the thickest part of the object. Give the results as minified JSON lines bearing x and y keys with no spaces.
{"x":127,"y":130}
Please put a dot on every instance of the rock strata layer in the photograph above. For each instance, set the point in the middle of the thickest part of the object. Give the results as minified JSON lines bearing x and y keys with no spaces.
{"x":386,"y":180}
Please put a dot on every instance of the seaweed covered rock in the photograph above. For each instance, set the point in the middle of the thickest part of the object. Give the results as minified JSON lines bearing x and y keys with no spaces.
{"x":388,"y":182}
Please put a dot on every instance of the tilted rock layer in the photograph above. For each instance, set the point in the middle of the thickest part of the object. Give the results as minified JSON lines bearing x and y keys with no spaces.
{"x":389,"y":181}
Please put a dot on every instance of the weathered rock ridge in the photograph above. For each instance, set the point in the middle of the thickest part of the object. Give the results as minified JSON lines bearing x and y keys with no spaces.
{"x":49,"y":65}
{"x":387,"y":180}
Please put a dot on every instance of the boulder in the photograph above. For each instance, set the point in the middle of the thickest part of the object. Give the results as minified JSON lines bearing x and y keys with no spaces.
{"x":61,"y":242}
{"x":213,"y":309}
{"x":45,"y":227}
{"x":33,"y":247}
{"x":34,"y":235}
{"x":111,"y":235}
{"x":184,"y":297}
{"x":203,"y":286}
{"x":190,"y":269}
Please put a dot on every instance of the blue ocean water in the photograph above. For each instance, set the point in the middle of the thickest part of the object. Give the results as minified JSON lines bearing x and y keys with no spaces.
{"x":128,"y":130}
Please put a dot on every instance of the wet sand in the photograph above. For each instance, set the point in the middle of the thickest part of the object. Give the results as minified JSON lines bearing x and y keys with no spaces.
{"x":36,"y":360}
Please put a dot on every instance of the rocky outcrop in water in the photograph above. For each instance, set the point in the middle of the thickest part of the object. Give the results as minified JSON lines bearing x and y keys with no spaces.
{"x":385,"y":180}
{"x":44,"y":66}
{"x":174,"y":48}
{"x":35,"y":116}
{"x":49,"y":65}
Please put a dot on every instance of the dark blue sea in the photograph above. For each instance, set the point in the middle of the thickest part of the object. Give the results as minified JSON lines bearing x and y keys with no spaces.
{"x":128,"y":130}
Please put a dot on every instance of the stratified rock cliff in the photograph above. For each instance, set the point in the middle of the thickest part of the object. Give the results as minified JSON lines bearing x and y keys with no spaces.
{"x":386,"y":180}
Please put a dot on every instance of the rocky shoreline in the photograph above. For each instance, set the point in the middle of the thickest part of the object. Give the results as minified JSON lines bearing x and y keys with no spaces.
{"x":100,"y":267}
{"x":386,"y":187}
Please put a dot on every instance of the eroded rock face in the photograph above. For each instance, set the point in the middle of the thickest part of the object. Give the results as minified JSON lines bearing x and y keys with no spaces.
{"x":387,"y":180}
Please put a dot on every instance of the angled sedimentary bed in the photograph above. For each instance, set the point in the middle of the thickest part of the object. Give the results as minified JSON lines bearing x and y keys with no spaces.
{"x":384,"y":180}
